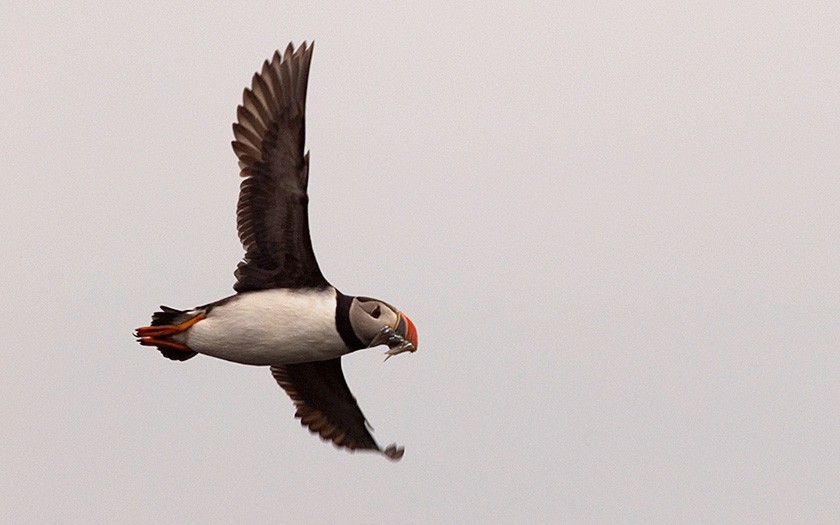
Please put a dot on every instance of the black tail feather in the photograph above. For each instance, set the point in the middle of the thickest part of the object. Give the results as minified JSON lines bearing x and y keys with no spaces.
{"x":176,"y":355}
{"x":168,"y":315}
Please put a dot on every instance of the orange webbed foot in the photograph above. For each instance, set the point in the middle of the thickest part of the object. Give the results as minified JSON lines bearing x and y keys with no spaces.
{"x":158,"y":335}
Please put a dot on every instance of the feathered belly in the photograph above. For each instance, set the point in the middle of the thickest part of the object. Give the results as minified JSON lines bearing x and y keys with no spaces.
{"x":270,"y":327}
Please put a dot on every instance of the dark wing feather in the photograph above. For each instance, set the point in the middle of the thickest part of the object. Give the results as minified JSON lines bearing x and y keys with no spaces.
{"x":272,"y":217}
{"x":326,"y":406}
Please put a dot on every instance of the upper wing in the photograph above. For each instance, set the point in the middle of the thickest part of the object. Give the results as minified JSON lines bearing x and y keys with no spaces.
{"x":325,"y":404}
{"x":272,"y":214}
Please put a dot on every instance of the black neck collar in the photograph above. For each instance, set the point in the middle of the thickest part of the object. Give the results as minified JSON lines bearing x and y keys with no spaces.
{"x":342,"y":321}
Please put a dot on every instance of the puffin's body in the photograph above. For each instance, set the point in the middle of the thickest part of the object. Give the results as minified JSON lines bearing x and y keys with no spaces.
{"x":285,"y":314}
{"x":269,"y":327}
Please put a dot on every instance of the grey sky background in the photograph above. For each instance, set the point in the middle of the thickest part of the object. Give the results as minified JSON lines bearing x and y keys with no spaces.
{"x":615,"y":226}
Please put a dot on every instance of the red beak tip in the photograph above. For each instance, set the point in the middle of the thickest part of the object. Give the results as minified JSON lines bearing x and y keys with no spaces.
{"x":411,"y":333}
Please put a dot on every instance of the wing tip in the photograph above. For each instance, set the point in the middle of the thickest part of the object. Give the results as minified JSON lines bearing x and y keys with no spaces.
{"x":393,"y":452}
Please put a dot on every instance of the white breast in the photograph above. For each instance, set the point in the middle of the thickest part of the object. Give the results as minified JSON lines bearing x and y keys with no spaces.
{"x":270,"y":327}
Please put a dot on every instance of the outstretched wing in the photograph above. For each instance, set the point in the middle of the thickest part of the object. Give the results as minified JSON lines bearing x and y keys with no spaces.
{"x":326,"y":406}
{"x":272,"y":217}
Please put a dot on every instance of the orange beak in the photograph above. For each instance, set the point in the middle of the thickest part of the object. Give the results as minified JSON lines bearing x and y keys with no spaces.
{"x":406,"y":329}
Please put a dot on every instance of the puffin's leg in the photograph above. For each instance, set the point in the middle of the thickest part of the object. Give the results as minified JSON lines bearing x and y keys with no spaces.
{"x":151,"y":341}
{"x":166,"y":330}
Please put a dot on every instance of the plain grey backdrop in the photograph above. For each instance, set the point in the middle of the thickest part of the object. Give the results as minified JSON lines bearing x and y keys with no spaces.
{"x":614,"y":224}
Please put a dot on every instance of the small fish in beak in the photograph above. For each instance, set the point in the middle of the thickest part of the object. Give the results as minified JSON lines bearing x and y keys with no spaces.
{"x":402,"y":337}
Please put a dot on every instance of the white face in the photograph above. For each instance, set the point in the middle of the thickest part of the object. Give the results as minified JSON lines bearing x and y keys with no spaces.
{"x":369,"y":316}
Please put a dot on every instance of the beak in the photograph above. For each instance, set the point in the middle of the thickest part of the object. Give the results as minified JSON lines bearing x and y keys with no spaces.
{"x":405,"y":329}
{"x":402,"y":337}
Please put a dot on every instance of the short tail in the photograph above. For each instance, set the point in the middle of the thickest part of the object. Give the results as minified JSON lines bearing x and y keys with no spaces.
{"x":168,"y":315}
{"x":171,"y":316}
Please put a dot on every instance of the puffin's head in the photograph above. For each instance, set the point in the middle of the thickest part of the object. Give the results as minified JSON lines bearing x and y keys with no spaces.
{"x":376,"y":322}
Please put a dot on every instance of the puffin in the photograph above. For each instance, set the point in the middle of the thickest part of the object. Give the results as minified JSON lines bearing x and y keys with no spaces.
{"x":285,"y":314}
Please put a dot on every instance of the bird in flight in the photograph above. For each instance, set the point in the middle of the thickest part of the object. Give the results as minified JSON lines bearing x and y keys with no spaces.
{"x":285,"y":314}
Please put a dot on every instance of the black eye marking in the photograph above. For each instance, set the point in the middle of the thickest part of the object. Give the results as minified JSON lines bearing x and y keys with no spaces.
{"x":376,"y":312}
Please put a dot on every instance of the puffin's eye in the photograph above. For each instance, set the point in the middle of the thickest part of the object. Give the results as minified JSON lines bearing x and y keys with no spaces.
{"x":376,"y":312}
